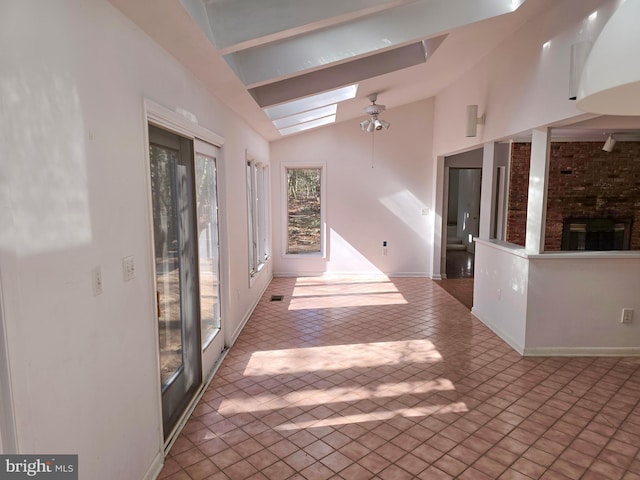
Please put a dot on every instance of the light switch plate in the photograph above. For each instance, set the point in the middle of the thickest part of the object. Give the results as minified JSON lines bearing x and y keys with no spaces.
{"x":128,"y":268}
{"x":96,"y":281}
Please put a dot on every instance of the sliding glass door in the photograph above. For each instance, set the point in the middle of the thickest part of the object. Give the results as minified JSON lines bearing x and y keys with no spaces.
{"x":177,"y":289}
{"x":187,"y":266}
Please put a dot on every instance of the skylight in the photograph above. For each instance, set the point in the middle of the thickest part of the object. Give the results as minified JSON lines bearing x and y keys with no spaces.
{"x":301,"y":127}
{"x":306,"y":116}
{"x":309,"y":112}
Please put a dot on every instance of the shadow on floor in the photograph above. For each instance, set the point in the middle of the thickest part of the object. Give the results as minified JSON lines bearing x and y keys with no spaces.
{"x":459,"y":288}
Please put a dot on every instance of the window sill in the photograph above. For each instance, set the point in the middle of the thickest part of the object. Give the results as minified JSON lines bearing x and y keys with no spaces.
{"x":255,"y":275}
{"x":319,"y":255}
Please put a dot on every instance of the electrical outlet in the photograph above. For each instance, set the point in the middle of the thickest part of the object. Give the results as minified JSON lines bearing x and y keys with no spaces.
{"x":96,"y":281}
{"x":128,"y":268}
{"x":627,"y":315}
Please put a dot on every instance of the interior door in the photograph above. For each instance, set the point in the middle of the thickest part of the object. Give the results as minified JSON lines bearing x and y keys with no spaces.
{"x":177,"y":286}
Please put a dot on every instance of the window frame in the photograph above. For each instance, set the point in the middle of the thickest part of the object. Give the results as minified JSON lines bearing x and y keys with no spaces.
{"x":258,"y":201}
{"x":322,"y":166}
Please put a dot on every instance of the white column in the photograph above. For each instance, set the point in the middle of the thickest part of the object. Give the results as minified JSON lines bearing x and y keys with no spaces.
{"x":538,"y":180}
{"x":438,"y":222}
{"x":488,"y":191}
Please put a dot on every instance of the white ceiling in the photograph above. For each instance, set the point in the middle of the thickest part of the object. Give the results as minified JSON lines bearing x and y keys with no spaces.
{"x":282,"y":49}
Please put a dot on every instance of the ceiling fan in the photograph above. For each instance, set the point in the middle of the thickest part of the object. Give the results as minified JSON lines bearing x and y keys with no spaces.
{"x":374,"y":123}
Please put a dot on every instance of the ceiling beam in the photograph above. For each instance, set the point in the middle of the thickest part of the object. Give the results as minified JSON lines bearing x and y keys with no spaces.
{"x":343,"y":42}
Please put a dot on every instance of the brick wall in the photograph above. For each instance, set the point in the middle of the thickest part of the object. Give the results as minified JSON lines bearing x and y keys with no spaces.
{"x":584,"y":181}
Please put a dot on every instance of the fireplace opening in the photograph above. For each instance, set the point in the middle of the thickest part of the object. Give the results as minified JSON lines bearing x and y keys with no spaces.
{"x":596,"y":234}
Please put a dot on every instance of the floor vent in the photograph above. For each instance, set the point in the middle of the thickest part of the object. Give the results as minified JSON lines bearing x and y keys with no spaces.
{"x":277,"y":298}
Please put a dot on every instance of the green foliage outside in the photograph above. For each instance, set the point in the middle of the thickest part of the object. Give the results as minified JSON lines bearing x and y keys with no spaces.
{"x":303,"y":210}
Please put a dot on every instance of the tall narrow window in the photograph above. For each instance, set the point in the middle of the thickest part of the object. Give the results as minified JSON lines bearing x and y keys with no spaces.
{"x":304,"y":210}
{"x":258,"y":213}
{"x":251,"y":196}
{"x":262,"y":214}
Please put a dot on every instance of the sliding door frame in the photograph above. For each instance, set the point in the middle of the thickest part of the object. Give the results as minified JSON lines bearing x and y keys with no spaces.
{"x":162,"y":117}
{"x":8,"y":438}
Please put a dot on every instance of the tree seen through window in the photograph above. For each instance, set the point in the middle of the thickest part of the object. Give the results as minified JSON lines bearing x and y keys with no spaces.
{"x":303,"y":210}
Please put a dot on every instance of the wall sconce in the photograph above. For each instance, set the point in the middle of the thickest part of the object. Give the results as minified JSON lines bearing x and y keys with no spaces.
{"x":473,"y":120}
{"x":609,"y":144}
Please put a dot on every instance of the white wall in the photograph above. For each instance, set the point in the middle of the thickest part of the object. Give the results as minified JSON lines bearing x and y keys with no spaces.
{"x":576,"y":301}
{"x":365,"y":205}
{"x":73,"y":188}
{"x":500,"y":290}
{"x":558,"y":304}
{"x":521,"y":84}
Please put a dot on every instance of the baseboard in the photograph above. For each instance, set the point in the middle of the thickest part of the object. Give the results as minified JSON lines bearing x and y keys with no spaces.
{"x":247,"y":315}
{"x":559,"y":351}
{"x":582,"y":352}
{"x":409,"y":274}
{"x":505,"y":337}
{"x":298,"y":274}
{"x":439,"y":277}
{"x":156,"y":467}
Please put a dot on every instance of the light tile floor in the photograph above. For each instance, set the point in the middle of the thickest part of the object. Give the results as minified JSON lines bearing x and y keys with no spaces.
{"x":376,"y":378}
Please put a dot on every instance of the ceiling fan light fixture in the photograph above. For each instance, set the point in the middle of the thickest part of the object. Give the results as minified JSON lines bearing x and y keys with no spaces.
{"x":373,"y":111}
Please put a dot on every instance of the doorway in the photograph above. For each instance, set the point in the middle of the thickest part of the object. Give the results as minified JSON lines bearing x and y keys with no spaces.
{"x":177,"y":290}
{"x":186,"y":247}
{"x":463,"y":221}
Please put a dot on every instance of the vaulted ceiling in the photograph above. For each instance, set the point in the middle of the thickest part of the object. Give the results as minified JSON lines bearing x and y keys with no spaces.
{"x":255,"y":54}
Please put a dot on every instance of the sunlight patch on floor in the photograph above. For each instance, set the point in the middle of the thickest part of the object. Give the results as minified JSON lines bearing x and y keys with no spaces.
{"x":360,"y":293}
{"x":459,"y":407}
{"x":341,"y":357}
{"x":311,"y":397}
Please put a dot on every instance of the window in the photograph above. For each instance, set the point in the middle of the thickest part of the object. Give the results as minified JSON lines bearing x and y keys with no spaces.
{"x":258,"y":213}
{"x":304,"y":214}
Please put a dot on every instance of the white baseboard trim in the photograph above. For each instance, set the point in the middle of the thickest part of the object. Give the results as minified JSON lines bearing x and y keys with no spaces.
{"x":247,"y":315}
{"x":507,"y":338}
{"x":438,"y":277}
{"x":558,"y":351}
{"x":298,"y":274}
{"x":156,"y":467}
{"x":582,"y":352}
{"x":409,"y":274}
